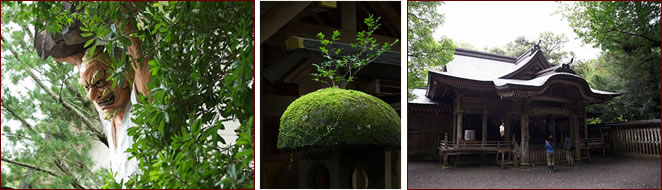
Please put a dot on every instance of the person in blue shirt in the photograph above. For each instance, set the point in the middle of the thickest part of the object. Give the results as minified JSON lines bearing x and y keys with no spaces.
{"x":549,"y":147}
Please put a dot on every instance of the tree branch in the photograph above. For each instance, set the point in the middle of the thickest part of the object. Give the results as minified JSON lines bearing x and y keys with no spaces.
{"x":52,"y":173}
{"x":25,"y":122}
{"x":633,"y":34}
{"x":100,"y":136}
{"x":75,"y":182}
{"x":27,"y":30}
{"x":31,"y":167}
{"x":64,"y":169}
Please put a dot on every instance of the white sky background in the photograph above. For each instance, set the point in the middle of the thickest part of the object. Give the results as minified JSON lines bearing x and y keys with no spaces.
{"x":494,"y":24}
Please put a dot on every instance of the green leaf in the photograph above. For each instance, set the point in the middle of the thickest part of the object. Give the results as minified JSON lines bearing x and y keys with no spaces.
{"x":195,"y":128}
{"x":93,"y":49}
{"x":89,"y":42}
{"x":156,"y":28}
{"x":243,"y":153}
{"x":86,"y":34}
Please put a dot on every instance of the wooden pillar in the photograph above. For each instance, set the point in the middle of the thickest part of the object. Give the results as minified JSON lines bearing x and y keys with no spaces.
{"x":458,"y":111}
{"x":484,"y":131}
{"x":387,"y":170}
{"x":574,"y":131}
{"x":552,"y":128}
{"x":524,"y":123}
{"x":459,"y":127}
{"x":506,"y":126}
{"x":453,"y":127}
{"x":585,"y":129}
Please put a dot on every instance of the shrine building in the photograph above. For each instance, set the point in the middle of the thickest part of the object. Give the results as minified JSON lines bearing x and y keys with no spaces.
{"x":489,"y":100}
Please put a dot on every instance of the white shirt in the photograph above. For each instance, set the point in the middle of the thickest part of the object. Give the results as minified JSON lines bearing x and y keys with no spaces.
{"x":119,"y":158}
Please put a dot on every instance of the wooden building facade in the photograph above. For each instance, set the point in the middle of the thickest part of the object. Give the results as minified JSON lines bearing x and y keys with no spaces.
{"x":501,"y":99}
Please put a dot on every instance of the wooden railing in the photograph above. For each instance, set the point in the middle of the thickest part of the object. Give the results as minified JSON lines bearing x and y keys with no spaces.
{"x":501,"y":148}
{"x":537,"y":154}
{"x":637,"y":142}
{"x":594,"y":143}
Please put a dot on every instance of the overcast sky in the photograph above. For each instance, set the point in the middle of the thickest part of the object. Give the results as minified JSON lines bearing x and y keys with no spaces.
{"x":494,"y":24}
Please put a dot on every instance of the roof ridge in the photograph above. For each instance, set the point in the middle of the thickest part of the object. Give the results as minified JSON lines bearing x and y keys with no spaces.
{"x":485,"y":55}
{"x":531,"y":50}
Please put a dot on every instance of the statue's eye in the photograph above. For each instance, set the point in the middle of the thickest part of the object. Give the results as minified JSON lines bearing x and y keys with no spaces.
{"x":100,"y":83}
{"x":98,"y":79}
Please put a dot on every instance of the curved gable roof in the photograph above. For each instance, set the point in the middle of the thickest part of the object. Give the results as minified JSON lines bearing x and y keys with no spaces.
{"x":529,"y":74}
{"x":528,"y":65}
{"x":540,"y":84}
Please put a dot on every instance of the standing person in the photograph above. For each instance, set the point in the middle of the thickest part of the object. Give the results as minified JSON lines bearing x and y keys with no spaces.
{"x":549,"y":146}
{"x":567,"y":147}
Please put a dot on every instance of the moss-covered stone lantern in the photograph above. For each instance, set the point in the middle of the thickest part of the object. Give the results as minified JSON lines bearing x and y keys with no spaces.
{"x":343,"y":136}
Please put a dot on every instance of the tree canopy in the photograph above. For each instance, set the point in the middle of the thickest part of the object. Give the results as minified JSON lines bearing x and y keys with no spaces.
{"x":424,"y":52}
{"x":552,"y":46}
{"x":628,"y":32}
{"x":202,"y":76}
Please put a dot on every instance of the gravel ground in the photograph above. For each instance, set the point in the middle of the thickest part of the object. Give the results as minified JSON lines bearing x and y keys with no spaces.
{"x":601,"y":173}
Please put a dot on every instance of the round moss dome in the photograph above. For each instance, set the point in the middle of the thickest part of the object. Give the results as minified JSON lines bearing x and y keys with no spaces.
{"x":334,"y":117}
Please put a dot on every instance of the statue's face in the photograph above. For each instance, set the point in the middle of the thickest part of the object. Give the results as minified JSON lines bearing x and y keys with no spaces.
{"x":110,"y":101}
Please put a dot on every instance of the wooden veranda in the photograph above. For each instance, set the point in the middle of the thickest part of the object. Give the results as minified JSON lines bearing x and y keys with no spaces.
{"x":501,"y":148}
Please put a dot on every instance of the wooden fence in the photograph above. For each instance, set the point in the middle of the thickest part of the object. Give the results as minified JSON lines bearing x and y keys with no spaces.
{"x":635,"y":138}
{"x":638,"y":142}
{"x":537,"y":154}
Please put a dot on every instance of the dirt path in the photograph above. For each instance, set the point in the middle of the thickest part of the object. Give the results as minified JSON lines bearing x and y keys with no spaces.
{"x":602,"y":173}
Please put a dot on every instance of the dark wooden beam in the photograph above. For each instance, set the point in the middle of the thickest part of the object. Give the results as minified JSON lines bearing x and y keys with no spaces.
{"x":278,"y":16}
{"x":348,"y":16}
{"x":390,"y":15}
{"x":294,"y":28}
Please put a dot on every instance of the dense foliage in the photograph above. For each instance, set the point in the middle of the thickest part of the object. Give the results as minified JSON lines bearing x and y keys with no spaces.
{"x":552,"y":46}
{"x":629,"y":34}
{"x":335,"y":117}
{"x":50,"y":145}
{"x":201,"y":61}
{"x":423,"y":51}
{"x":341,"y":66}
